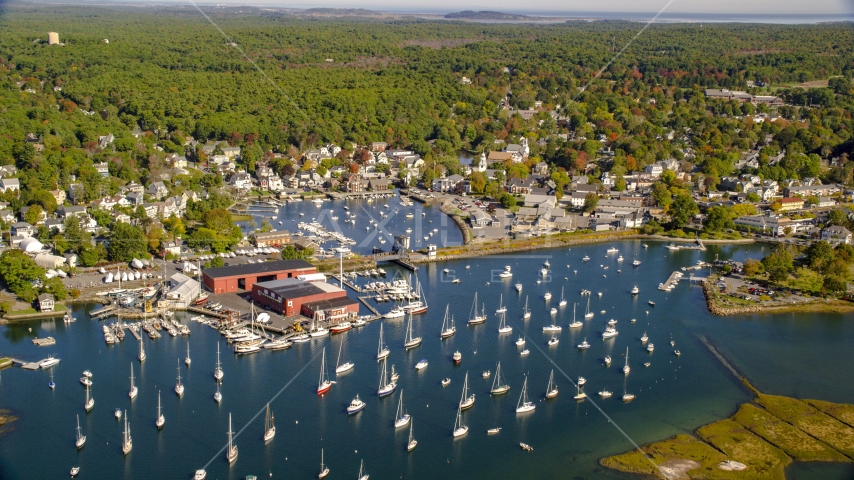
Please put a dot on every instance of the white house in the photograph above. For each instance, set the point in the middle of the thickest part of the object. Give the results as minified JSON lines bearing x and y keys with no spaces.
{"x":10,"y":185}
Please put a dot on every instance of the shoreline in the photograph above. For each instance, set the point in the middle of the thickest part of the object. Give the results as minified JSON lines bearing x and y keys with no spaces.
{"x":816,"y":306}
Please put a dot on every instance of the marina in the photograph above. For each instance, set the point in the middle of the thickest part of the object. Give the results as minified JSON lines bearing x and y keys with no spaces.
{"x":672,"y":395}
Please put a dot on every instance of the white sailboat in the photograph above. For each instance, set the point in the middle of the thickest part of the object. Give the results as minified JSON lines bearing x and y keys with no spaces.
{"x":382,"y":350}
{"x":412,"y":442}
{"x":316,"y":329}
{"x":386,"y":387}
{"x":524,"y":405}
{"x":342,"y":367}
{"x":502,"y":324}
{"x":401,"y":418}
{"x":141,"y":354}
{"x":499,"y":387}
{"x":459,"y":428}
{"x":474,"y":318}
{"x":575,"y":323}
{"x":409,"y":341}
{"x":562,"y":299}
{"x":501,"y":307}
{"x":133,"y":389}
{"x":90,"y":402}
{"x":448,"y":327}
{"x":589,"y":314}
{"x":231,"y":450}
{"x":81,"y":439}
{"x":127,"y":442}
{"x":362,"y":474}
{"x":161,"y":420}
{"x":324,"y":470}
{"x":626,"y":369}
{"x":218,"y":370}
{"x":551,"y":389}
{"x":323,"y":384}
{"x":187,"y":360}
{"x":527,"y":313}
{"x":466,"y":401}
{"x":179,"y":387}
{"x":269,"y":425}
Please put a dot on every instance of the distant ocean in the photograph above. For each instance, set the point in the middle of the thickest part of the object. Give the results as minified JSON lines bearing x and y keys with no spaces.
{"x":680,"y":17}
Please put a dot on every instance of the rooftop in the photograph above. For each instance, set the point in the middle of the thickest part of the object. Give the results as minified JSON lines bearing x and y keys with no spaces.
{"x":256,"y":268}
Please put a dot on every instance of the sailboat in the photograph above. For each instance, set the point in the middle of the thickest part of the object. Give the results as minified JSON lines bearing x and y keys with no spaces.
{"x":179,"y":387}
{"x":562,"y":299}
{"x":466,"y":401}
{"x":127,"y":442}
{"x":231,"y":450}
{"x":323,"y":385}
{"x":316,"y":329}
{"x":401,"y":418}
{"x":409,"y":341}
{"x":551,"y":390}
{"x":459,"y":428}
{"x":90,"y":402}
{"x":51,"y":384}
{"x":141,"y":355}
{"x":269,"y":425}
{"x":81,"y":439}
{"x":382,"y":350}
{"x":575,"y":323}
{"x":501,"y":307}
{"x":412,"y":442}
{"x":524,"y":405}
{"x":580,"y":395}
{"x":448,"y":327}
{"x":626,"y":369}
{"x":502,"y":324}
{"x":362,"y":474}
{"x":342,"y":367}
{"x":187,"y":360}
{"x":218,"y":370}
{"x":161,"y":420}
{"x":133,"y":389}
{"x":474,"y":318}
{"x":498,"y":385}
{"x":385,"y":387}
{"x":324,"y":470}
{"x":589,"y":314}
{"x":420,"y":305}
{"x":527,"y":313}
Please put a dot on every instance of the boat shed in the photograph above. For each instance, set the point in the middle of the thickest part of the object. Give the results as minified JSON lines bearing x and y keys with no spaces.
{"x":291,"y":296}
{"x":183,"y":290}
{"x":46,"y":260}
{"x":242,"y":277}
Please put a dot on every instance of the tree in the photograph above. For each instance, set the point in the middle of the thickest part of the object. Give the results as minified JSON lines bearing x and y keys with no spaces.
{"x":127,"y":242}
{"x":753,"y":197}
{"x":652,"y":228}
{"x":265,"y":226}
{"x":778,"y":264}
{"x":154,"y":237}
{"x":718,"y":218}
{"x":682,"y":210}
{"x":661,"y":195}
{"x":55,"y":287}
{"x":34,"y":214}
{"x":819,"y":255}
{"x":507,"y":200}
{"x":18,"y":271}
{"x":590,"y":202}
{"x":291,"y":253}
{"x":217,"y":262}
{"x":752,"y":267}
{"x":218,"y":220}
{"x":478,"y":182}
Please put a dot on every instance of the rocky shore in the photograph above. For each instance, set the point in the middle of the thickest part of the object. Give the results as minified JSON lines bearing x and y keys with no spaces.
{"x":819,"y":305}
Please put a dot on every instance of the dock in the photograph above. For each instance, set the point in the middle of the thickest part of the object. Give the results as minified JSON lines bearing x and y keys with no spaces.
{"x":373,"y":310}
{"x":346,"y":282}
{"x":672,"y":281}
{"x":102,"y":311}
{"x":44,"y":342}
{"x":406,"y":264}
{"x":135,"y":332}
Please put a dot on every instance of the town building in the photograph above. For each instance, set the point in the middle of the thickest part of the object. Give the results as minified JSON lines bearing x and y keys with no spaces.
{"x":183,"y":290}
{"x":271,"y":239}
{"x":46,"y":302}
{"x":793,"y":203}
{"x":292,"y":296}
{"x":836,"y":234}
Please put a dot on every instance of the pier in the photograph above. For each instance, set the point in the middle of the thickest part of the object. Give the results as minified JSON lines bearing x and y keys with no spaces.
{"x":671,"y":282}
{"x":102,"y":311}
{"x":373,"y":310}
{"x":346,"y":282}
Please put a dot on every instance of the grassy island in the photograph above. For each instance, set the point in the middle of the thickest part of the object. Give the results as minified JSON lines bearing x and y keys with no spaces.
{"x":757,"y":442}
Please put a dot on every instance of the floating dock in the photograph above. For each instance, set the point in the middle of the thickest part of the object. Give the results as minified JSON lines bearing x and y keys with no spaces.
{"x":44,"y":342}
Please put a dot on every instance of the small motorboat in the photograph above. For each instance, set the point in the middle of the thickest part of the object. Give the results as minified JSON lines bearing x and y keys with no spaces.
{"x":458,"y":357}
{"x":525,"y":352}
{"x":486,"y":374}
{"x":605,"y":394}
{"x":118,"y":414}
{"x":607,"y":360}
{"x":526,"y":447}
{"x":356,"y":406}
{"x":493,"y":431}
{"x":581,"y":381}
{"x":647,"y":364}
{"x":446,"y":382}
{"x":75,"y":471}
{"x":677,"y":352}
{"x":421,"y":365}
{"x":553,"y":341}
{"x":520,"y":342}
{"x":583,"y":345}
{"x":651,"y":303}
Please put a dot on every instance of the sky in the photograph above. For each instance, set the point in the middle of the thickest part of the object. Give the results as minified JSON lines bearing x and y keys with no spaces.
{"x":729,"y":7}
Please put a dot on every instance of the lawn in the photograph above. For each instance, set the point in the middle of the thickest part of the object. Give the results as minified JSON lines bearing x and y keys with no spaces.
{"x":31,"y":310}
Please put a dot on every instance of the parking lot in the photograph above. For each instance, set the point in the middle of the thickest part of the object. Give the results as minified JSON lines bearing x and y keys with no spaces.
{"x":750,"y":290}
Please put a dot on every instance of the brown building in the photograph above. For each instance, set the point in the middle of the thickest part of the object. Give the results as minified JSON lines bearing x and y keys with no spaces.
{"x":242,"y":277}
{"x":271,"y":239}
{"x":292,"y":296}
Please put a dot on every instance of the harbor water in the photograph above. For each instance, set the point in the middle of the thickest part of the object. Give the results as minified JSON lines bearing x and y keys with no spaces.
{"x":801,"y":355}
